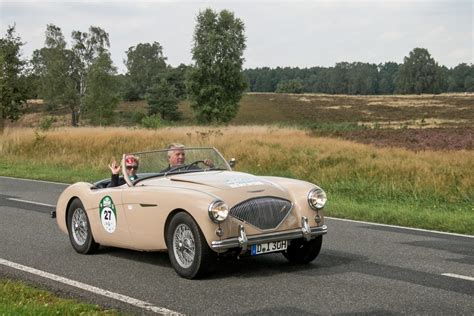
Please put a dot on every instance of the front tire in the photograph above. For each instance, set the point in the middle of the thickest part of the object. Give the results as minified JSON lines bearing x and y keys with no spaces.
{"x":79,"y":229}
{"x":188,"y":251}
{"x":301,"y":251}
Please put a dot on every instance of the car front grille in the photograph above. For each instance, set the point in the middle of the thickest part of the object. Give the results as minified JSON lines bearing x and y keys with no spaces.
{"x":263,"y":212}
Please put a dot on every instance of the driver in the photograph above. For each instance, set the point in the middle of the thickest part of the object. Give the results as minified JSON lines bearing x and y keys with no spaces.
{"x":177,"y":156}
{"x":131,"y":165}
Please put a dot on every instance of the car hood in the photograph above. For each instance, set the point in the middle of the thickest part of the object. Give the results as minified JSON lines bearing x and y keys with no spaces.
{"x":231,"y":181}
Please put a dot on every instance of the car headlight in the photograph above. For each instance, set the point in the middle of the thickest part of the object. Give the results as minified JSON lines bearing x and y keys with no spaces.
{"x":218,"y":211}
{"x":317,"y":198}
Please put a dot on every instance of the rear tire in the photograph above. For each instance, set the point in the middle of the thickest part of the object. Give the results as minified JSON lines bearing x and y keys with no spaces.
{"x":79,"y":229}
{"x":188,"y":251}
{"x":301,"y":251}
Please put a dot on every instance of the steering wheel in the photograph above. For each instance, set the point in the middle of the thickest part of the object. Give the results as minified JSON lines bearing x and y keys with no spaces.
{"x":195,"y":164}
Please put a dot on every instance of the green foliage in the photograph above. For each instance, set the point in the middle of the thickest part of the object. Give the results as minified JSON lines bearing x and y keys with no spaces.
{"x":162,"y":100}
{"x":12,"y":87}
{"x":145,"y":62}
{"x":215,"y":83}
{"x":152,"y":122}
{"x":73,"y":77}
{"x":46,"y":123}
{"x":101,"y":99}
{"x":290,"y":86}
{"x":177,"y":78}
{"x":387,"y":77}
{"x":462,"y":78}
{"x":419,"y":73}
{"x":55,"y":65}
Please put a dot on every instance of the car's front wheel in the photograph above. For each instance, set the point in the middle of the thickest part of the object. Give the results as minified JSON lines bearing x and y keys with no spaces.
{"x":302,"y":251}
{"x":79,"y":229}
{"x":188,"y":251}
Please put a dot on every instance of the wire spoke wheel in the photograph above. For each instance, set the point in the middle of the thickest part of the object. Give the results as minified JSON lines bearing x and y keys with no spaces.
{"x":188,"y":250}
{"x":79,"y":229}
{"x":184,"y":246}
{"x":79,"y":226}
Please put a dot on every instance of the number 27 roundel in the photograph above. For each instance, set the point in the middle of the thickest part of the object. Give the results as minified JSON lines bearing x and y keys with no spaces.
{"x":108,"y":214}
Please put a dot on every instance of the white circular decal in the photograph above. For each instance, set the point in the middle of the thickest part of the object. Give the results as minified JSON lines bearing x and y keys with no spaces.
{"x":108,"y":214}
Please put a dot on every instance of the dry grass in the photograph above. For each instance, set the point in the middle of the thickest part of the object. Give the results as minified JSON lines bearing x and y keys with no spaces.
{"x":260,"y":149}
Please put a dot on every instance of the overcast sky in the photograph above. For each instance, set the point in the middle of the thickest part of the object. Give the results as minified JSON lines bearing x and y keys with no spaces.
{"x":279,"y":33}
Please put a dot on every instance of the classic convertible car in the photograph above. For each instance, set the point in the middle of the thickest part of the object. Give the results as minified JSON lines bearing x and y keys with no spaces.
{"x":196,"y":211}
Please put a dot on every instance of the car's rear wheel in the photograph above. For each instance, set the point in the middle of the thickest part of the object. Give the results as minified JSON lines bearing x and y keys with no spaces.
{"x":79,"y":229}
{"x":302,"y":251}
{"x":188,"y":251}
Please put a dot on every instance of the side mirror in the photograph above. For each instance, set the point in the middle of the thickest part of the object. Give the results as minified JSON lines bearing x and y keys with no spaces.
{"x":232,"y":162}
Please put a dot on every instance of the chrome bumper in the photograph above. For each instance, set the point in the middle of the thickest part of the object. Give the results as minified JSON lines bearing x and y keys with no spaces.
{"x":242,"y":241}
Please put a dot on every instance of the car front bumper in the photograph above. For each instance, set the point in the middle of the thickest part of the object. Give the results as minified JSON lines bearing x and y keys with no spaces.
{"x":243,"y":241}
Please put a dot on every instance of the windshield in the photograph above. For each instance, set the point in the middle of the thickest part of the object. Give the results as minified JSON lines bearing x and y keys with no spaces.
{"x":174,"y":161}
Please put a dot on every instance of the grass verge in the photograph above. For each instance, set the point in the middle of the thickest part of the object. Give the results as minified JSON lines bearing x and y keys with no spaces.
{"x":18,"y":298}
{"x":428,"y":189}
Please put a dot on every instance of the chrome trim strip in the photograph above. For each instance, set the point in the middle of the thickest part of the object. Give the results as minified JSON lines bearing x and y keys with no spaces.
{"x":256,"y":239}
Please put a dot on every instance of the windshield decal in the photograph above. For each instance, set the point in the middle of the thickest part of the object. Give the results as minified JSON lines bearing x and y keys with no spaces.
{"x":108,"y":214}
{"x":242,"y":182}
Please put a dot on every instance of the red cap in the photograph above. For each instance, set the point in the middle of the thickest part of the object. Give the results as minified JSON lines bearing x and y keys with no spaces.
{"x":131,"y":161}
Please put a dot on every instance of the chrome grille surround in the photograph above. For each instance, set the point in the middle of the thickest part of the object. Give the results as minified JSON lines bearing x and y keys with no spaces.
{"x":262,"y":212}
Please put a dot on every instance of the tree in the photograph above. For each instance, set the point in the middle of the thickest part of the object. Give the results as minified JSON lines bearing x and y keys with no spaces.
{"x":64,"y":72}
{"x":216,"y":83}
{"x":162,"y":100}
{"x":145,"y":62}
{"x":87,"y":47}
{"x":419,"y":73}
{"x":387,"y":76}
{"x":458,"y":77}
{"x":101,"y":98}
{"x":12,"y":88}
{"x":55,"y":65}
{"x":290,"y":86}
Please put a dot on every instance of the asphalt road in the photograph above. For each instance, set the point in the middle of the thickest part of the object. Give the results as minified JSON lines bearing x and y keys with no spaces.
{"x":362,"y":269}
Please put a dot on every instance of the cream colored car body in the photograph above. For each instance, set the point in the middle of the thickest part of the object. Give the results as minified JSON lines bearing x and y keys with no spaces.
{"x":143,"y":210}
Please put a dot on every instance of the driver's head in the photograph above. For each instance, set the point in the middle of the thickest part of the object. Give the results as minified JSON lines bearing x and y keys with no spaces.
{"x":131,"y":164}
{"x":176,"y":154}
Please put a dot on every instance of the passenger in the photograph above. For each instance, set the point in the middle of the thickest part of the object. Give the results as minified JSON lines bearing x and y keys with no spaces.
{"x":131,"y":165}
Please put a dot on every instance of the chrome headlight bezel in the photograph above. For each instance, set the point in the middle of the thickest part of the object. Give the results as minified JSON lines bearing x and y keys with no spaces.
{"x":317,"y":198}
{"x":218,"y":211}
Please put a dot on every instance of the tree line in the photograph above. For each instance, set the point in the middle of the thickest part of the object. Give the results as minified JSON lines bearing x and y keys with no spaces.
{"x":82,"y":77}
{"x":419,"y":73}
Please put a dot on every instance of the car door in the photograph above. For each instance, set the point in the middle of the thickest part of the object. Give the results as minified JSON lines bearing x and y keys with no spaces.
{"x":108,"y":219}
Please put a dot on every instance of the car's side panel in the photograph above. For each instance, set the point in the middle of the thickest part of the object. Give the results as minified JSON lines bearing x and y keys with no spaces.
{"x":148,"y":207}
{"x":91,"y":199}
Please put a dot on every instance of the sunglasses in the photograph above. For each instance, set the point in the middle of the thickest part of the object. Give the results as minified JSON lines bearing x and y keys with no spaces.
{"x":132,"y":167}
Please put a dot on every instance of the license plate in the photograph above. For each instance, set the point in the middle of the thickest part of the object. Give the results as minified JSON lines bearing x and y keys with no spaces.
{"x":267,"y":247}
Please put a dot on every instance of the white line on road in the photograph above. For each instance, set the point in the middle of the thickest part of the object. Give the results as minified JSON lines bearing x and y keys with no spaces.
{"x":32,"y":180}
{"x":123,"y":298}
{"x":458,"y":276}
{"x":400,"y":227}
{"x":30,"y":202}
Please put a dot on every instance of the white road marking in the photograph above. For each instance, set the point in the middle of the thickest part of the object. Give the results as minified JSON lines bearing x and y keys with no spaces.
{"x":30,"y":202}
{"x":32,"y":180}
{"x":458,"y":276}
{"x":123,"y":298}
{"x":400,"y":227}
